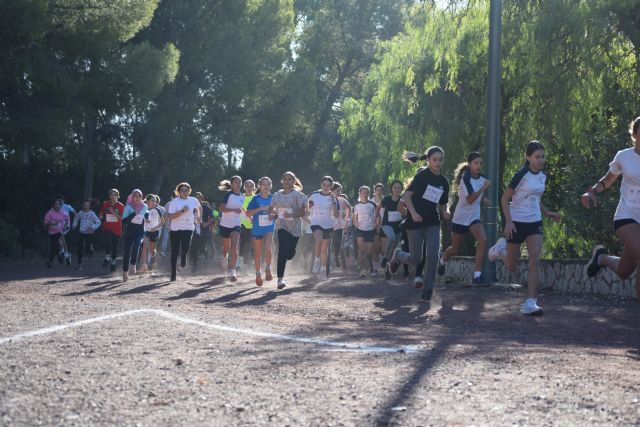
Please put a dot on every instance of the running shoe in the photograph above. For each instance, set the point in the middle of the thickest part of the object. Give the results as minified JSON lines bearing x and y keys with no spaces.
{"x":267,"y":275}
{"x":363,"y":273}
{"x":530,"y":307}
{"x":125,"y":276}
{"x":316,"y":266}
{"x":417,"y":282}
{"x":394,"y":264}
{"x":233,"y":276}
{"x":499,"y":250}
{"x":105,"y":263}
{"x":426,"y":295}
{"x":441,"y":267}
{"x":323,"y":274}
{"x":133,"y":269}
{"x":281,"y":283}
{"x":374,"y":273}
{"x":173,"y":278}
{"x":387,"y":274}
{"x":479,"y":282}
{"x":259,"y":281}
{"x":592,"y":267}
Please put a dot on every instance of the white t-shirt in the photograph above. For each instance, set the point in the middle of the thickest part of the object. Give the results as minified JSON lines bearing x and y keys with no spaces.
{"x":365,"y":212}
{"x":232,"y":201}
{"x":321,"y":212}
{"x":154,"y":218}
{"x":186,"y":220}
{"x":342,"y":219}
{"x":627,"y":163}
{"x":528,"y":189}
{"x":466,"y":213}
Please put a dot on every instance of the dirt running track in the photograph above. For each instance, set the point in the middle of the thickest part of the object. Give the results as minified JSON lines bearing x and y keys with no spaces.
{"x":346,"y":351}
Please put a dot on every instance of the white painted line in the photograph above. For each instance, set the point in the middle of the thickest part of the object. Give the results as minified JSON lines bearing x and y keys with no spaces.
{"x":340,"y":346}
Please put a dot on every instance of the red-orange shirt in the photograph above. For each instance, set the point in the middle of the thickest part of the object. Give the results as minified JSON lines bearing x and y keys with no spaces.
{"x":111,"y":222}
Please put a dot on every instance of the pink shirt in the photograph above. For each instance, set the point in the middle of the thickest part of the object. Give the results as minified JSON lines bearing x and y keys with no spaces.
{"x":61,"y":217}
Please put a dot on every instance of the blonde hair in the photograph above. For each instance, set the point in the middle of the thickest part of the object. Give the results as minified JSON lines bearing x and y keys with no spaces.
{"x":225,"y":185}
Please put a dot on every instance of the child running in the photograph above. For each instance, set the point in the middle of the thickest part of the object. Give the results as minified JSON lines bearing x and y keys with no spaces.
{"x":626,"y":221}
{"x":471,"y":186}
{"x":133,"y":217}
{"x":426,"y":200}
{"x":364,"y":213}
{"x":231,"y":208}
{"x":87,"y":222}
{"x":153,"y":223}
{"x":324,"y":212}
{"x":111,"y":216}
{"x":55,"y":221}
{"x":389,"y":213}
{"x":523,"y":210}
{"x":245,"y":243}
{"x":262,"y":230}
{"x":182,"y":211}
{"x":290,"y":205}
{"x":344,"y":212}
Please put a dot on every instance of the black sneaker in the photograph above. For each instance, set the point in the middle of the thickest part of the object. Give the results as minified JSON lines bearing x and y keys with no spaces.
{"x":427,"y":294}
{"x":383,"y":262}
{"x":105,"y":263}
{"x":441,"y":267}
{"x":479,"y":282}
{"x":592,"y":266}
{"x":387,"y":274}
{"x":173,"y":278}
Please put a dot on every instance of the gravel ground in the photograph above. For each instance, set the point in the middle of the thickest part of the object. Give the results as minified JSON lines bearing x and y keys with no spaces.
{"x":477,"y":361}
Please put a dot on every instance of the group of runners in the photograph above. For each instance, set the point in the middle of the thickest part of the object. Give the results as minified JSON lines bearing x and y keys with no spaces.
{"x":399,"y":229}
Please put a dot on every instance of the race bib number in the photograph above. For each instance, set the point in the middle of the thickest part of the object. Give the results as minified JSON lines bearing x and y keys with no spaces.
{"x":433,"y":194}
{"x":264,"y":221}
{"x":632,"y":197}
{"x":394,"y":216}
{"x":112,"y":218}
{"x":282,"y":211}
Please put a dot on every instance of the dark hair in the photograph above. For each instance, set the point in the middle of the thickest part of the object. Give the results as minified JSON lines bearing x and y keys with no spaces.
{"x":413,"y":157}
{"x":335,"y":186}
{"x":634,"y":127}
{"x":375,"y":187}
{"x":59,"y":197}
{"x":226,"y":184}
{"x":327,"y":178}
{"x":532,"y":147}
{"x":394,"y":182}
{"x":463,"y":167}
{"x":182,"y":184}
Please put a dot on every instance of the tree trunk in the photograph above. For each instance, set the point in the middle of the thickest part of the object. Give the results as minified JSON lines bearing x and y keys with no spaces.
{"x":89,"y":154}
{"x":158,"y":180}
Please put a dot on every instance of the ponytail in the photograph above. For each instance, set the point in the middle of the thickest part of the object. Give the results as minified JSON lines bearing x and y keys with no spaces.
{"x":225,"y":185}
{"x":459,"y":172}
{"x":410,"y":156}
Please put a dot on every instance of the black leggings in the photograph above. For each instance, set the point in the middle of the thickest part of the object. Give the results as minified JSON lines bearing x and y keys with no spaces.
{"x":338,"y":250}
{"x":111,"y":244}
{"x":180,"y":239}
{"x":84,"y":244}
{"x":131,"y":248}
{"x":197,"y":246}
{"x":54,"y":239}
{"x":287,"y":243}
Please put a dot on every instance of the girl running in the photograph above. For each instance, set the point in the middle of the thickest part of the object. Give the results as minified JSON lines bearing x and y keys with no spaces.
{"x":324,"y":212}
{"x":133,"y":217}
{"x":246,"y":248}
{"x":290,"y":205}
{"x":55,"y":221}
{"x":523,"y":218}
{"x":626,"y":221}
{"x":344,"y":213}
{"x":263,"y":225}
{"x":389,"y":214}
{"x":87,"y":222}
{"x":182,"y":212}
{"x":379,"y":240}
{"x":231,"y":208}
{"x":364,"y":213}
{"x":111,"y":216}
{"x":471,"y":187}
{"x":153,"y":223}
{"x":426,"y":200}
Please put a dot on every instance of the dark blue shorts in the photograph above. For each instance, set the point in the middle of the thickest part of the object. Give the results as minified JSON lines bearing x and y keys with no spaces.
{"x":462,"y":229}
{"x":524,"y":230}
{"x":326,"y":232}
{"x":367,"y":235}
{"x":225,"y":232}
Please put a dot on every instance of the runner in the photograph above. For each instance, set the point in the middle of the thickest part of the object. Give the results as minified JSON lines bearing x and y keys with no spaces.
{"x":55,"y":221}
{"x":246,"y":245}
{"x":344,"y":213}
{"x":364,"y":222}
{"x":111,"y":216}
{"x":389,"y":214}
{"x":471,"y":187}
{"x":260,"y":210}
{"x":523,"y":219}
{"x":182,"y":212}
{"x":426,"y":200}
{"x":153,"y":223}
{"x":324,"y":212}
{"x":86,"y":222}
{"x":290,"y":205}
{"x":379,"y":239}
{"x":203,"y":232}
{"x":133,"y":218}
{"x":231,"y":208}
{"x":626,"y":221}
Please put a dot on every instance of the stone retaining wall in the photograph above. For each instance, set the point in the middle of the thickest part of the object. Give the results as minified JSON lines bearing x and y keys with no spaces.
{"x":561,"y":275}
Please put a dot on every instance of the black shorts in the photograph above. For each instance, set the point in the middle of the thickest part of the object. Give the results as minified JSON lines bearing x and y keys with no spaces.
{"x":463,"y":229}
{"x":367,"y":235}
{"x":152,"y":235}
{"x":326,"y":232}
{"x":524,"y":230}
{"x":225,"y":232}
{"x":621,"y":222}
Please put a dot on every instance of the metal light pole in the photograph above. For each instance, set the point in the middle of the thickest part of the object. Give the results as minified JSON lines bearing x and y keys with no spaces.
{"x":492,"y":155}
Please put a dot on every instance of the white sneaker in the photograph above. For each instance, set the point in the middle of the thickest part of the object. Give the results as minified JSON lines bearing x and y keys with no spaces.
{"x":499,"y":250}
{"x":417,"y":282}
{"x":281,"y":283}
{"x":323,"y":272}
{"x":316,"y":266}
{"x":224,"y":264}
{"x":233,"y":276}
{"x":530,"y":307}
{"x":363,"y":273}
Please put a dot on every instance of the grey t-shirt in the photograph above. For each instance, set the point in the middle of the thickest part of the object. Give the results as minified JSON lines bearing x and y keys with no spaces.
{"x":290,"y":203}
